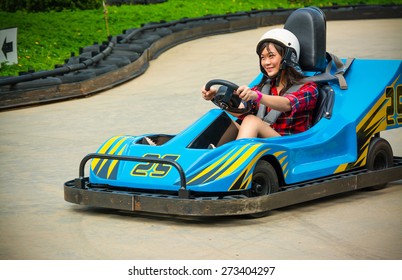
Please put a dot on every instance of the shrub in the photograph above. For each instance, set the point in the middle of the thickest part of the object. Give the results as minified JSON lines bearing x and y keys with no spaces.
{"x":128,"y":2}
{"x":48,"y":5}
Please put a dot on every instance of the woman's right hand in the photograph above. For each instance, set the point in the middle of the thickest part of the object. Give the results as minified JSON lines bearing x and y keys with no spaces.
{"x":208,"y":94}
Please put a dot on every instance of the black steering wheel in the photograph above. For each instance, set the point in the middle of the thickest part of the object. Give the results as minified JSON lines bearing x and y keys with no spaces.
{"x":226,"y":99}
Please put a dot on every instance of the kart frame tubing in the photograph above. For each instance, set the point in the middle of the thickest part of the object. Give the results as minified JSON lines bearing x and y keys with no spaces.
{"x":80,"y":182}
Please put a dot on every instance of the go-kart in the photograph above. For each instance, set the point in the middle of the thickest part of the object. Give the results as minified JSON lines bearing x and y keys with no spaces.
{"x":204,"y":171}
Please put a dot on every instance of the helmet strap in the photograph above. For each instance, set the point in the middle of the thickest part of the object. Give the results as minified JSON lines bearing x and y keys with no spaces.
{"x":284,"y":65}
{"x":289,"y":60}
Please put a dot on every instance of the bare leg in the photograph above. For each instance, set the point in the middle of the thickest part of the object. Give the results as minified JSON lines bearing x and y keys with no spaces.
{"x":230,"y":134}
{"x":253,"y":126}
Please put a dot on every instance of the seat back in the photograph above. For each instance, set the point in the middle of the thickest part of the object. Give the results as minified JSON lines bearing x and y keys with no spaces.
{"x":309,"y":26}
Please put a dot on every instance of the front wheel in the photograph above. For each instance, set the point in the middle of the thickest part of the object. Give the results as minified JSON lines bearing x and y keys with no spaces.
{"x":380,"y":156}
{"x":264,"y":182}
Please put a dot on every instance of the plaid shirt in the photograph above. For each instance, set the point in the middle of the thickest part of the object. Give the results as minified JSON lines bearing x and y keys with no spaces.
{"x":300,"y":117}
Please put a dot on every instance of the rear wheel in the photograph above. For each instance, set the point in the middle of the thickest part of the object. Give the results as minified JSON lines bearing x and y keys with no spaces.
{"x":379,"y":157}
{"x":264,"y":182}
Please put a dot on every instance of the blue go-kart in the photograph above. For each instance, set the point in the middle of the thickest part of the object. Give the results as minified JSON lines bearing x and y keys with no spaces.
{"x":180,"y":174}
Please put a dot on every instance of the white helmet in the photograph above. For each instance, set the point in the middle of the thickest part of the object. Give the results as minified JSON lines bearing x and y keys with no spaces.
{"x":289,"y":41}
{"x":282,"y":36}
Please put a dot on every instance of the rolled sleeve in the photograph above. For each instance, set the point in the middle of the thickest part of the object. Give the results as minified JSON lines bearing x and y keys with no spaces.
{"x":304,"y":99}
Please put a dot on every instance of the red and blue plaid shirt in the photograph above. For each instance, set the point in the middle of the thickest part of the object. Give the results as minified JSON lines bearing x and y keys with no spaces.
{"x":300,"y":117}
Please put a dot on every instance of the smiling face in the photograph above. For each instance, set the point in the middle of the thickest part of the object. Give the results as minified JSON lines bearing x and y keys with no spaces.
{"x":270,"y":59}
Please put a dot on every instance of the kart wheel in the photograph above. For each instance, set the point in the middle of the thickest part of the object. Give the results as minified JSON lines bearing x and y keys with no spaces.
{"x":380,"y":156}
{"x":264,"y":182}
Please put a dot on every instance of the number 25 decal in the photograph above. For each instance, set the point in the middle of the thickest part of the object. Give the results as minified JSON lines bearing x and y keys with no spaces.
{"x":158,"y":170}
{"x":394,"y":109}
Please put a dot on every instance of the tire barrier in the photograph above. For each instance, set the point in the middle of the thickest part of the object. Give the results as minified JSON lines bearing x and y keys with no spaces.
{"x":123,"y":57}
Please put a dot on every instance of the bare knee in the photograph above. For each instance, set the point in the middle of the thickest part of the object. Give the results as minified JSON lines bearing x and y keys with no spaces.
{"x":253,"y":126}
{"x":249,"y":127}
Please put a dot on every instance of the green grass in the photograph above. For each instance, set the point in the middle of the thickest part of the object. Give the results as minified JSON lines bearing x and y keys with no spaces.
{"x":47,"y":39}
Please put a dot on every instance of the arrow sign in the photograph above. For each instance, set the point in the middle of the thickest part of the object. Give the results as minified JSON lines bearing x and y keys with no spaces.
{"x":7,"y":47}
{"x":8,"y":41}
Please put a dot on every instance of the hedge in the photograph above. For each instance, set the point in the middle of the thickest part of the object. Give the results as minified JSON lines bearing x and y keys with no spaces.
{"x":48,"y":5}
{"x":59,"y":5}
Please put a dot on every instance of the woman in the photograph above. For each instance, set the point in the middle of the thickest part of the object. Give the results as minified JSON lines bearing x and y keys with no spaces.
{"x":289,"y":103}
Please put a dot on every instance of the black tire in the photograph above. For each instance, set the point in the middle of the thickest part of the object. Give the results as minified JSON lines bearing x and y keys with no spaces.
{"x":77,"y":76}
{"x":150,"y":38}
{"x":100,"y":70}
{"x":93,"y":48}
{"x":132,"y":56}
{"x":265,"y":181}
{"x":380,"y":156}
{"x":119,"y":61}
{"x":138,"y":48}
{"x":163,"y":31}
{"x":38,"y":83}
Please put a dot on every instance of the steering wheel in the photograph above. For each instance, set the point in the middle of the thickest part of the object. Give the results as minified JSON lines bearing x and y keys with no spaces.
{"x":226,"y":99}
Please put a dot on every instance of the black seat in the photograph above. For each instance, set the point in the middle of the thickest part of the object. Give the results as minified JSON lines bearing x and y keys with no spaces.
{"x":309,"y":26}
{"x":325,"y":102}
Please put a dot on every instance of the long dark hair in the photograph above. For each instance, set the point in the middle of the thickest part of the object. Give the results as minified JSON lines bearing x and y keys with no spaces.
{"x":291,"y":75}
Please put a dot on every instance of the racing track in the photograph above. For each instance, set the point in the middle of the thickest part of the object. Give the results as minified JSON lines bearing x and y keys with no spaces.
{"x":41,"y":147}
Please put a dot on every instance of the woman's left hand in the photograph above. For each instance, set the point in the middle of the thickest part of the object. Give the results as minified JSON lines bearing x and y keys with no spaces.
{"x":246,"y":94}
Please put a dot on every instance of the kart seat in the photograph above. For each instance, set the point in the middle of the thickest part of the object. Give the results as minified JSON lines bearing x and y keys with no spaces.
{"x":309,"y":26}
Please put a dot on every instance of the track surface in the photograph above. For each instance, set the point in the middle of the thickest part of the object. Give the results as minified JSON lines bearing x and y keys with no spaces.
{"x":41,"y":147}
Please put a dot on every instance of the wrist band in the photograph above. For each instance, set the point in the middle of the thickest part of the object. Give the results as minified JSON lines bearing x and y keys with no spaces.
{"x":259,"y":96}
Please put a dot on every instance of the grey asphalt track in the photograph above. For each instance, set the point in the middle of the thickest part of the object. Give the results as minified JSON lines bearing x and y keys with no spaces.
{"x":41,"y":147}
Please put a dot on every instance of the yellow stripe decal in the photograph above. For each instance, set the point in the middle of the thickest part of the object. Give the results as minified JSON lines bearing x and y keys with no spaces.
{"x":114,"y":162}
{"x":237,"y":161}
{"x":374,"y":121}
{"x":104,"y":148}
{"x":117,"y":145}
{"x":211,"y":167}
{"x":247,"y":171}
{"x":113,"y":151}
{"x":283,"y":159}
{"x":251,"y":164}
{"x":277,"y":154}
